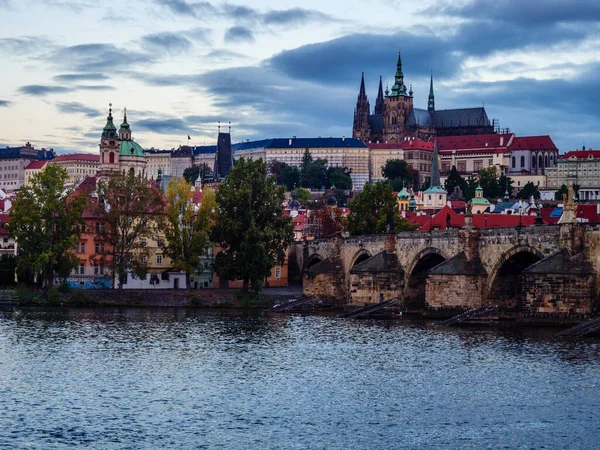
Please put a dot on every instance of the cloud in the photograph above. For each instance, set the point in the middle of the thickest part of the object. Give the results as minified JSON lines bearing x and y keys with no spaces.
{"x":162,"y":126}
{"x":40,"y":90}
{"x":24,"y":45}
{"x":167,"y":42}
{"x":77,"y":108}
{"x":295,"y":16}
{"x":5,"y":103}
{"x":185,"y":8}
{"x":224,"y":55}
{"x":68,"y":77}
{"x":539,"y":13}
{"x":98,"y":57}
{"x":238,"y":34}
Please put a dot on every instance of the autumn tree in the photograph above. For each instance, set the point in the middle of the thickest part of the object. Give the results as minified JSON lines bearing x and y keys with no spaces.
{"x":45,"y":220}
{"x":325,"y":222}
{"x":191,"y":173}
{"x":251,"y":229}
{"x":130,"y":211}
{"x":187,"y":227}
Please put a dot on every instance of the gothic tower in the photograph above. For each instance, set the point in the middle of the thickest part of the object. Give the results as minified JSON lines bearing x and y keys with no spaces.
{"x":431,"y":101}
{"x":379,"y":104}
{"x":361,"y":128}
{"x":398,"y":106}
{"x":109,"y":148}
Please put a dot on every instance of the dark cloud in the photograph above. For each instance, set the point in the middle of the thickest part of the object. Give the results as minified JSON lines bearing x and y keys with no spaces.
{"x":69,"y":77}
{"x":24,"y":45}
{"x":185,"y":8}
{"x":240,"y":12}
{"x":340,"y":61}
{"x":171,"y":43}
{"x":4,"y":103}
{"x":162,"y":126}
{"x":97,"y":57}
{"x":199,"y":34}
{"x":40,"y":90}
{"x":539,"y":13}
{"x":238,"y":34}
{"x":77,"y":108}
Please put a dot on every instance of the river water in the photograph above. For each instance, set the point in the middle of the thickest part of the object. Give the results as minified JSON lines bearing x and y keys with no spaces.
{"x":166,"y":378}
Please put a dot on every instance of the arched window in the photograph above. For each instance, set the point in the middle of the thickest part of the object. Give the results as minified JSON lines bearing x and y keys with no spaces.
{"x":394,"y":119}
{"x":546,"y":161}
{"x":514,"y":162}
{"x":102,"y":158}
{"x":540,"y":162}
{"x":111,"y":158}
{"x":522,"y":161}
{"x":533,"y":162}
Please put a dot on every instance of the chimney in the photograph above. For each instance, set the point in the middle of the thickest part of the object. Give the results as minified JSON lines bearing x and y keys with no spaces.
{"x":343,"y":138}
{"x":501,"y":141}
{"x":290,"y":142}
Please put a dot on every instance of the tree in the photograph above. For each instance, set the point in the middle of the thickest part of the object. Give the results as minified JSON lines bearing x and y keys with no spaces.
{"x":276,"y":168}
{"x":251,"y":229}
{"x":371,"y":208}
{"x":505,"y":184}
{"x":456,"y":195}
{"x":398,"y":170}
{"x":564,"y":190}
{"x":290,"y":176}
{"x":303,"y":195}
{"x":45,"y":220}
{"x":339,"y":177}
{"x":130,"y":212}
{"x":528,"y":191}
{"x":454,"y":180}
{"x":187,"y":229}
{"x":488,"y":179}
{"x":314,"y":175}
{"x":191,"y":173}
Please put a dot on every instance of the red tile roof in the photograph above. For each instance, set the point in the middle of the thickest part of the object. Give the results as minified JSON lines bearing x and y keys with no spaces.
{"x":475,"y":142}
{"x":410,"y":144}
{"x":88,"y":157}
{"x":35,"y":165}
{"x":533,"y":143}
{"x":581,"y":154}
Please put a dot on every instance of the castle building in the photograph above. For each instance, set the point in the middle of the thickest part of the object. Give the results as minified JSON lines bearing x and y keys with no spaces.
{"x":395,"y":117}
{"x":118,"y":151}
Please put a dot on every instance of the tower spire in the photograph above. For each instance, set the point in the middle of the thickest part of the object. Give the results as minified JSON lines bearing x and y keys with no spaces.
{"x":362,"y":92}
{"x":431,"y":101}
{"x":109,"y":131}
{"x":399,"y":89}
{"x":362,"y":111}
{"x":380,"y":102}
{"x":435,"y":167}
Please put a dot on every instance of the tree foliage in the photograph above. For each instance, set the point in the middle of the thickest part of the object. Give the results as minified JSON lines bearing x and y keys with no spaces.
{"x":466,"y":186}
{"x":528,"y":191}
{"x":251,"y":229}
{"x":340,"y":177}
{"x":191,"y":173}
{"x":325,"y":222}
{"x":45,"y":221}
{"x":400,"y":174}
{"x":564,"y":190}
{"x":130,"y":212}
{"x":494,"y":186}
{"x":187,"y":227}
{"x":371,"y":208}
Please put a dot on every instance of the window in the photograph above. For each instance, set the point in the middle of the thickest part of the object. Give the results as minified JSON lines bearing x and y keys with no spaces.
{"x":158,"y":259}
{"x":144,"y":242}
{"x":82,"y":247}
{"x":440,"y":197}
{"x":477,"y":166}
{"x":96,"y":269}
{"x":102,"y":248}
{"x":514,"y":162}
{"x":144,"y":259}
{"x":159,"y":243}
{"x":96,"y":248}
{"x":277,"y":272}
{"x":101,"y":269}
{"x":533,"y":162}
{"x":540,"y":162}
{"x":522,"y":161}
{"x":81,"y":269}
{"x":111,"y":158}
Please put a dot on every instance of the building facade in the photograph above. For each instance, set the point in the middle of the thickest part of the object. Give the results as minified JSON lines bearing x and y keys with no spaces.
{"x":78,"y":166}
{"x":581,"y":167}
{"x":14,"y":161}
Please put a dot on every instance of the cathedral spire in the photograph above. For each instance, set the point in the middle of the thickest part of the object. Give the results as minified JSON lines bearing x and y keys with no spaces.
{"x":380,"y":102}
{"x":431,"y":102}
{"x":109,"y":131}
{"x":399,"y":89}
{"x":362,"y":92}
{"x":360,"y":128}
{"x":435,"y":167}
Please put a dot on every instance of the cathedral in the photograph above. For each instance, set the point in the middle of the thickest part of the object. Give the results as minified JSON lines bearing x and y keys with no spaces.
{"x":118,"y":151}
{"x":395,"y":118}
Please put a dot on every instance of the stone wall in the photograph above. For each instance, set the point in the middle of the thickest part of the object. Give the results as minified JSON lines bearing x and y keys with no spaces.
{"x":455,"y":291}
{"x":325,"y":285}
{"x":375,"y":287}
{"x":559,"y":293}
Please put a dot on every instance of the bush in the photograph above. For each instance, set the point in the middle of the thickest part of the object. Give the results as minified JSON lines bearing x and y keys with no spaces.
{"x":53,"y":296}
{"x":252,"y":300}
{"x":64,"y":288}
{"x":80,"y":298}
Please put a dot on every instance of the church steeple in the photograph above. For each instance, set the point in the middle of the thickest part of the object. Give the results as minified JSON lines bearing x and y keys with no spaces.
{"x":431,"y":101}
{"x":125,"y":131}
{"x":399,"y":89}
{"x":435,"y":167}
{"x":380,"y":102}
{"x":360,"y":127}
{"x":109,"y":131}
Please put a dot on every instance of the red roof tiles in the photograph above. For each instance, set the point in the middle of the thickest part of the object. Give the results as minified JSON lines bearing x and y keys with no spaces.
{"x":581,"y":154}
{"x":533,"y":143}
{"x":87,"y":157}
{"x":35,"y":165}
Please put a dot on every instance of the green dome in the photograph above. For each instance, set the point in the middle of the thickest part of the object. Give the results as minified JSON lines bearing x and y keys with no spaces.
{"x":131,"y":148}
{"x":403,"y":194}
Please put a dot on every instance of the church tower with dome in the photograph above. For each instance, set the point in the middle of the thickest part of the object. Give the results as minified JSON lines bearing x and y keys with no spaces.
{"x":119,"y":153}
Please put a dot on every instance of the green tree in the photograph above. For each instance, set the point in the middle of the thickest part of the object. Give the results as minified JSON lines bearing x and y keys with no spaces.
{"x":130,"y":212}
{"x":505,"y":184}
{"x":529,"y":190}
{"x":339,"y":177}
{"x":370,"y":209}
{"x":314,"y":175}
{"x":398,"y":171}
{"x":45,"y":220}
{"x":251,"y":229}
{"x":187,"y":229}
{"x":303,"y":195}
{"x":488,"y":179}
{"x":453,"y":181}
{"x":290,"y":176}
{"x":191,"y":173}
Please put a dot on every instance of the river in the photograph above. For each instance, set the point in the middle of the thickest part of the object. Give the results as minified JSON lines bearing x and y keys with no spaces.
{"x":176,"y":378}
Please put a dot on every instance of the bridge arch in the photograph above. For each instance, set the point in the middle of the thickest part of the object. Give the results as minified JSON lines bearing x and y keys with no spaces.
{"x":315,"y":258}
{"x":422,"y":263}
{"x":360,"y":256}
{"x":504,"y":282}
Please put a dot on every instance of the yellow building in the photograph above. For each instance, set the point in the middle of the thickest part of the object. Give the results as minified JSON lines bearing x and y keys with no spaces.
{"x":157,"y":160}
{"x":78,"y":165}
{"x":32,"y":168}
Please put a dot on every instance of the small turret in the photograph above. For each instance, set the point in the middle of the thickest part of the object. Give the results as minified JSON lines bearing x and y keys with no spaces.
{"x":431,"y":101}
{"x":125,"y":131}
{"x":109,"y":131}
{"x":399,"y":88}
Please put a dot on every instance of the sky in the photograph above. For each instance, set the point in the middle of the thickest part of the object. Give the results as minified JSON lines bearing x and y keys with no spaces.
{"x":287,"y":68}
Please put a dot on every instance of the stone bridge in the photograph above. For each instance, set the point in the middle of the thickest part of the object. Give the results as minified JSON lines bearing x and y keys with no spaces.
{"x":539,"y":269}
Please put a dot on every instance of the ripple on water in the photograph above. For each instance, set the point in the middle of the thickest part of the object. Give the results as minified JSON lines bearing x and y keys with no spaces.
{"x":150,"y":378}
